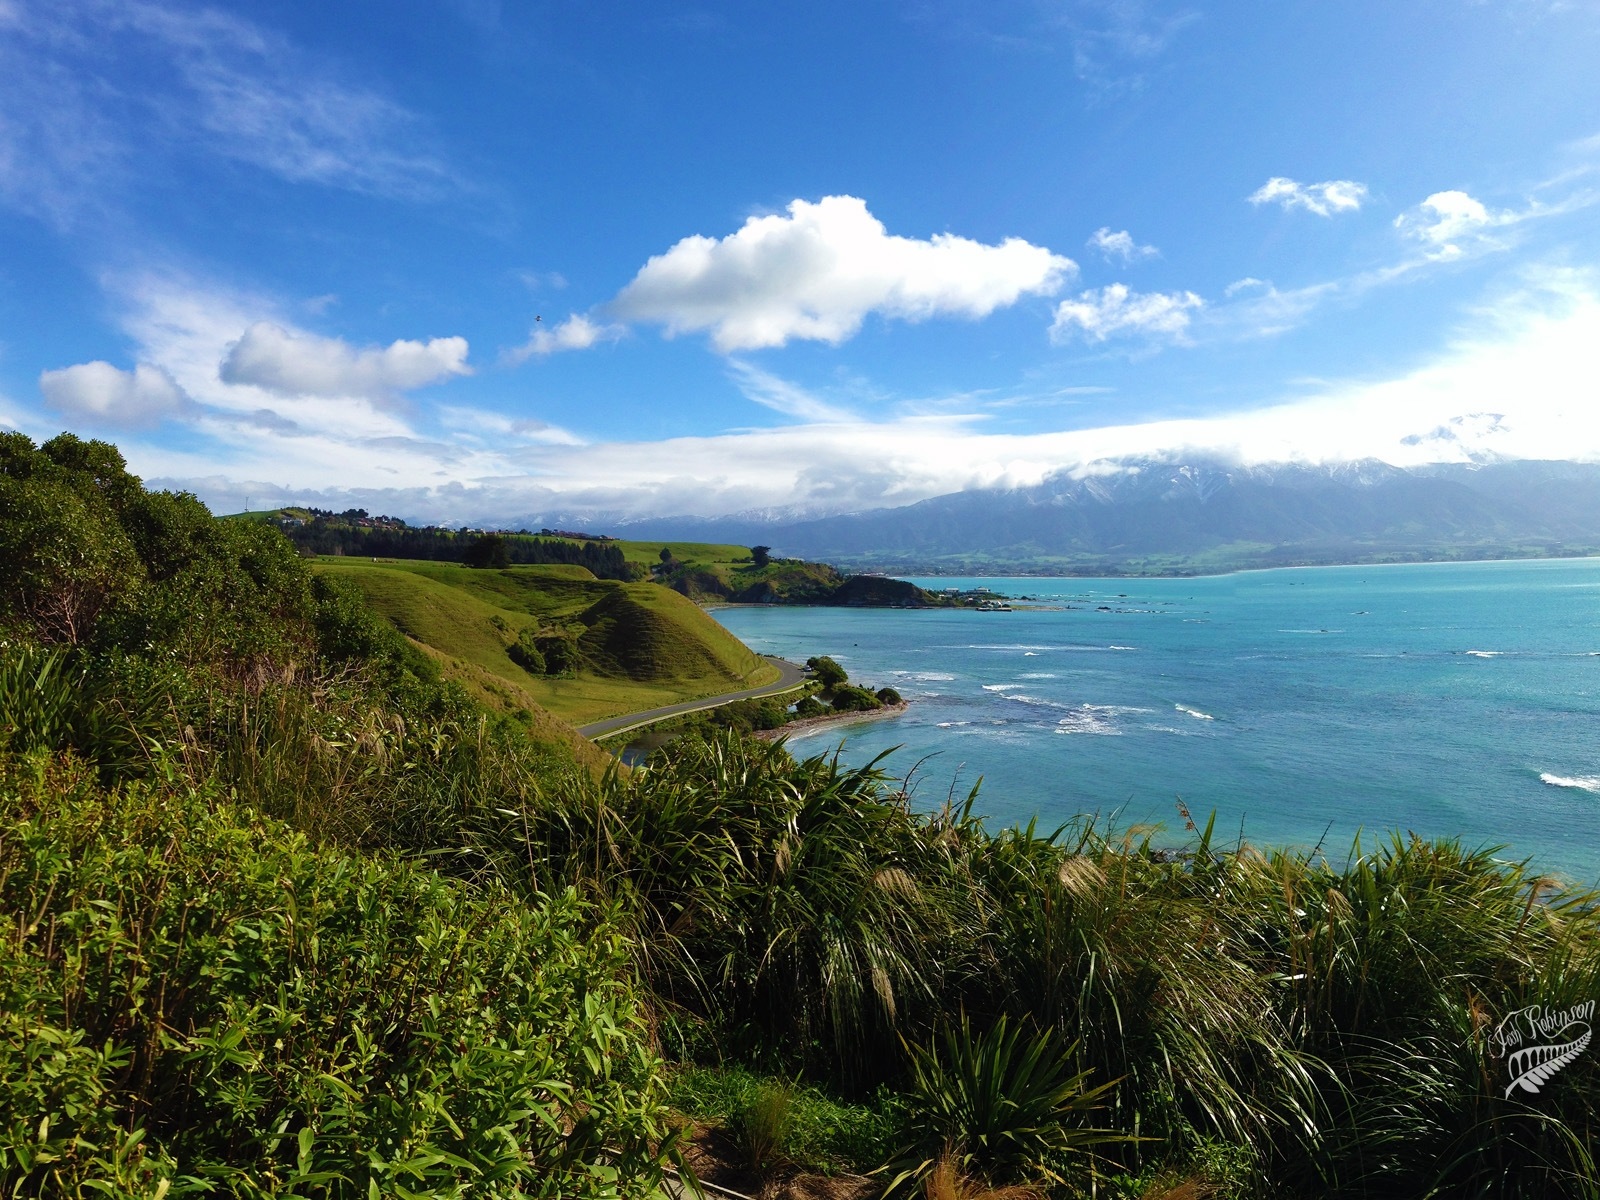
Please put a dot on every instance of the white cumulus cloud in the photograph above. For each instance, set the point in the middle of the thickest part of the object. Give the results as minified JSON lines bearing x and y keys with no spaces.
{"x":99,"y":392}
{"x":1119,"y":246}
{"x":1114,"y":311}
{"x":577,"y":332}
{"x":294,"y":363}
{"x":818,"y":271}
{"x":1445,"y":220}
{"x":1324,"y":199}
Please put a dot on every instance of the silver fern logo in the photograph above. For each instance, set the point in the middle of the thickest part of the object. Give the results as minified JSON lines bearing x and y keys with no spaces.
{"x":1537,"y":1042}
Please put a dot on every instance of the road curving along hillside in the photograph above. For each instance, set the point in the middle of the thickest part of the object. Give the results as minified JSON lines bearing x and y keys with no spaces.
{"x":790,"y":679}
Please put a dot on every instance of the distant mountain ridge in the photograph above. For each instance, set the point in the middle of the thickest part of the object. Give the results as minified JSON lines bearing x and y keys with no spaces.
{"x":1150,"y":515}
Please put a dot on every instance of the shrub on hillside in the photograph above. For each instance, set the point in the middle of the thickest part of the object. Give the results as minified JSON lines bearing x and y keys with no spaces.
{"x":525,"y":652}
{"x":828,"y":673}
{"x":1004,"y":1104}
{"x":809,"y":706}
{"x":749,"y":716}
{"x":562,"y":654}
{"x":887,"y":695}
{"x":189,"y":994}
{"x":849,"y":698}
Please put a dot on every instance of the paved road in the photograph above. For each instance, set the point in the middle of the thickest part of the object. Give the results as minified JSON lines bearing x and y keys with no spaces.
{"x":789,"y":679}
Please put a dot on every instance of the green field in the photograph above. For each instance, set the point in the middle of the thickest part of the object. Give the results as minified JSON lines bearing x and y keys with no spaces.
{"x":691,"y":554}
{"x":642,"y":645}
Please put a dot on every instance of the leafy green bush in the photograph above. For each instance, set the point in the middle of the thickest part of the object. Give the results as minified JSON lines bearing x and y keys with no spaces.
{"x":194,"y":998}
{"x":887,"y":695}
{"x":526,"y":654}
{"x":828,"y":673}
{"x":849,"y":698}
{"x":748,"y":716}
{"x":562,"y":654}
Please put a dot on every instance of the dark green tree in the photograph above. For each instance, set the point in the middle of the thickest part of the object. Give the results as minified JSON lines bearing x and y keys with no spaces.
{"x":848,"y":698}
{"x":488,"y":551}
{"x":761,"y":555}
{"x":561,"y":653}
{"x":829,"y":673}
{"x":526,"y":654}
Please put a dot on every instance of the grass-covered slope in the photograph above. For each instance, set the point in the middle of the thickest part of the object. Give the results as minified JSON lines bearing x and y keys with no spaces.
{"x":639,"y":645}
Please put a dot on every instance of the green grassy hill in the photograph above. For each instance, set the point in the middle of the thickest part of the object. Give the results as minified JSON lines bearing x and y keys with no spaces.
{"x":692,"y":554}
{"x":640,"y":645}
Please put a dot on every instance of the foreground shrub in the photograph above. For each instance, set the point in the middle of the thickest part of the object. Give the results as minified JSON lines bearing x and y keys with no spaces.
{"x":1002,"y":1104}
{"x":193,"y":999}
{"x":819,"y":1132}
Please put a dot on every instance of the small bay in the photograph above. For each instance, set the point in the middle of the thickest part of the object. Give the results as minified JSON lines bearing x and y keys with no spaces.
{"x":1301,"y":705}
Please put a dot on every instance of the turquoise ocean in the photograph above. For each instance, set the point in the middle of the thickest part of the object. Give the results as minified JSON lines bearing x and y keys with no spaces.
{"x":1302,"y":706}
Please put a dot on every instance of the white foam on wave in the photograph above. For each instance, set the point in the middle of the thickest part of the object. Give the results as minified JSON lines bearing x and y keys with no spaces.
{"x":1038,"y":675}
{"x":1097,"y":719}
{"x":1030,"y":654}
{"x":1485,"y":653}
{"x":1587,"y":783}
{"x":952,"y":724}
{"x":1013,"y":646}
{"x":1001,"y":687}
{"x":931,"y":676}
{"x":1122,"y":647}
{"x":1194,"y":712}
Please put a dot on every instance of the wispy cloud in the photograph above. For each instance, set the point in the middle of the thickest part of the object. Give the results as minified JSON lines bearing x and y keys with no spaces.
{"x":1324,"y":199}
{"x":1113,"y":44}
{"x":782,"y":396}
{"x":819,"y":270}
{"x":1514,"y":381}
{"x":1116,"y":311}
{"x":1115,"y":41}
{"x":1447,"y":222}
{"x":1119,"y":247}
{"x":95,"y":94}
{"x":577,"y":332}
{"x":251,"y":389}
{"x":1445,"y":228}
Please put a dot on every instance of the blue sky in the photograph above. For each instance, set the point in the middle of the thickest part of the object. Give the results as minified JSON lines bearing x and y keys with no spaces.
{"x":469,"y":260}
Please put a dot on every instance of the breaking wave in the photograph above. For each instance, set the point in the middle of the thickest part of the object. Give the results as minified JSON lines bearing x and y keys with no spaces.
{"x":1099,"y":719}
{"x":1587,"y":783}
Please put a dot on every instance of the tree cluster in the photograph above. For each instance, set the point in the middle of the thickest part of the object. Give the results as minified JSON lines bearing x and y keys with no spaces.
{"x":328,"y":533}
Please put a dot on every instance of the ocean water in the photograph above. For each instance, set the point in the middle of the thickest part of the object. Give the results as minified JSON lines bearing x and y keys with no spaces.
{"x":1302,"y":706}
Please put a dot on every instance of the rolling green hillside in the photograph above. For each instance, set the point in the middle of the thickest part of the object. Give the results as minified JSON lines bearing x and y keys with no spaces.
{"x":638,"y":645}
{"x":692,"y":554}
